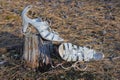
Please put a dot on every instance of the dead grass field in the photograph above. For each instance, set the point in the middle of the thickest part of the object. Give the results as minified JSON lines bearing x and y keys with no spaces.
{"x":82,"y":22}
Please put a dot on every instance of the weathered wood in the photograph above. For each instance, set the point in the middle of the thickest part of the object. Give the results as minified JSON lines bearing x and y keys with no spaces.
{"x":36,"y":51}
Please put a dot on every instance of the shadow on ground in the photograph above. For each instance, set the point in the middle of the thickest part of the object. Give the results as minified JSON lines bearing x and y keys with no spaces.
{"x":11,"y":44}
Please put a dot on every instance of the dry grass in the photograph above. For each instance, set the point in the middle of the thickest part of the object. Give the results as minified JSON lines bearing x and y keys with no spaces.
{"x":83,"y":22}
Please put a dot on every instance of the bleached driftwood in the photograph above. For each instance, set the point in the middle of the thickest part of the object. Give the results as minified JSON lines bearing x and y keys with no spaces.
{"x":36,"y":51}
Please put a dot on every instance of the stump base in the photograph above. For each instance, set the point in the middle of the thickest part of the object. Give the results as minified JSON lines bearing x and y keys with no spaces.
{"x":36,"y":51}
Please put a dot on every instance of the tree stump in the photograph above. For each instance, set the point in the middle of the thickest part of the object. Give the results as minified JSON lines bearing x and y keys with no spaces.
{"x":36,"y":51}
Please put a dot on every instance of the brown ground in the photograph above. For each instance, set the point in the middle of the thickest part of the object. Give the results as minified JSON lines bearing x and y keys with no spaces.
{"x":83,"y":22}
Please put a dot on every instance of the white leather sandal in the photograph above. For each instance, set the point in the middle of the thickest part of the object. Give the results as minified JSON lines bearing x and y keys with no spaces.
{"x":70,"y":52}
{"x":42,"y":27}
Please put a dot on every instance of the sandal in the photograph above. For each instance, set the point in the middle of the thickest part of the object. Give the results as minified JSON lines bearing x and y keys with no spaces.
{"x":42,"y":27}
{"x":70,"y":52}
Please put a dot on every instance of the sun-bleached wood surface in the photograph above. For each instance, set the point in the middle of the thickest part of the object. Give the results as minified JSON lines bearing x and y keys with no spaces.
{"x":36,"y":51}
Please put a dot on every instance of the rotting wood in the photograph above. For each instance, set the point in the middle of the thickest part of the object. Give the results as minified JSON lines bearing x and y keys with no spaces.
{"x":36,"y":51}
